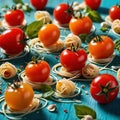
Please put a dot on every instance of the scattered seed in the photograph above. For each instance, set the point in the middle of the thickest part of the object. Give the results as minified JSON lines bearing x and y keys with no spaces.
{"x":65,"y":111}
{"x":52,"y":107}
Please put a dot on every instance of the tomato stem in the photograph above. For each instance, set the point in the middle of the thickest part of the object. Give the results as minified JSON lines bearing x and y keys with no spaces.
{"x":106,"y":89}
{"x":73,"y":48}
{"x":97,"y":39}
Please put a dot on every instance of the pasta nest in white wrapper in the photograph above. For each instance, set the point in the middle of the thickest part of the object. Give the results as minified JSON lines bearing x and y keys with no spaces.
{"x":65,"y":87}
{"x":43,"y":15}
{"x":90,"y":71}
{"x":7,"y":70}
{"x":72,"y":39}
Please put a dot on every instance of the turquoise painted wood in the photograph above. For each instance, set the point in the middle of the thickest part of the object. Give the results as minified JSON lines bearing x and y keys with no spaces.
{"x":104,"y":112}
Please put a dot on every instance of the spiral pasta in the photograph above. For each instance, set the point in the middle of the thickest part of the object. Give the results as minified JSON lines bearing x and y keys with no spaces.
{"x":43,"y":15}
{"x":116,"y":26}
{"x":7,"y":70}
{"x":72,"y":39}
{"x":90,"y":71}
{"x":65,"y":87}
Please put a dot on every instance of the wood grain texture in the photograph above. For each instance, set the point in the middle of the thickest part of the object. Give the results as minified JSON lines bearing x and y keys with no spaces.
{"x":110,"y":111}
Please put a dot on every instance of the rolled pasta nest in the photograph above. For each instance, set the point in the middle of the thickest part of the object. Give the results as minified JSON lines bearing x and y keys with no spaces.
{"x":37,"y":85}
{"x":37,"y":46}
{"x":7,"y":70}
{"x":6,"y":26}
{"x":101,"y":61}
{"x":16,"y":115}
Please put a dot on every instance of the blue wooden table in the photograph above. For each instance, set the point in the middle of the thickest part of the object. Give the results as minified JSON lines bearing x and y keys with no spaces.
{"x":110,"y":111}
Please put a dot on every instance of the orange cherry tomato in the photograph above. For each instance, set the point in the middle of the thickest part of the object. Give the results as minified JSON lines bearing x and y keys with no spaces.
{"x":20,"y":97}
{"x":80,"y":25}
{"x":37,"y":71}
{"x":49,"y":34}
{"x":101,"y":47}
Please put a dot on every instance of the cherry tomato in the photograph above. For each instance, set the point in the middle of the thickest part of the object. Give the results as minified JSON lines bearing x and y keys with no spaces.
{"x":19,"y":96}
{"x":49,"y":34}
{"x":63,"y":13}
{"x":104,"y":88}
{"x":39,"y":4}
{"x":80,"y":25}
{"x":73,"y":60}
{"x":114,"y":12}
{"x":37,"y":71}
{"x":14,"y":17}
{"x":13,"y":41}
{"x":93,"y":4}
{"x":101,"y":47}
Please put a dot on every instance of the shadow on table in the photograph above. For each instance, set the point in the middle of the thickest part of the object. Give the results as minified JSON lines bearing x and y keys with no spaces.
{"x":112,"y":108}
{"x":103,"y":10}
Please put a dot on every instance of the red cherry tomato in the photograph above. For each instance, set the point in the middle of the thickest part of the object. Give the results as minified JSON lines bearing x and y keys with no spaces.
{"x":39,"y":4}
{"x":63,"y":13}
{"x":114,"y":12}
{"x":93,"y":4}
{"x":73,"y":60}
{"x":13,"y":41}
{"x":80,"y":25}
{"x":19,"y":97}
{"x":98,"y":44}
{"x":104,"y":88}
{"x":37,"y":71}
{"x":14,"y":17}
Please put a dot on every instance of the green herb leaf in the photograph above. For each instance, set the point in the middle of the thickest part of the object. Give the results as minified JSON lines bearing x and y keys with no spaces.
{"x":117,"y":45}
{"x":84,"y":38}
{"x":46,"y":88}
{"x":87,"y":9}
{"x":48,"y":94}
{"x":18,"y":1}
{"x":82,"y":110}
{"x":33,"y":29}
{"x":105,"y":29}
{"x":95,"y":16}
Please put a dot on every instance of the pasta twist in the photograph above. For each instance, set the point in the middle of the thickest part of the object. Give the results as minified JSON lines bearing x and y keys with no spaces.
{"x":43,"y":15}
{"x":65,"y":87}
{"x":72,"y":39}
{"x":7,"y":70}
{"x":90,"y":71}
{"x":116,"y":26}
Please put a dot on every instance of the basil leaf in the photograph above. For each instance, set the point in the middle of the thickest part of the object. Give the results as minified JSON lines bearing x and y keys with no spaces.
{"x":87,"y":9}
{"x":85,"y":38}
{"x":46,"y":88}
{"x":48,"y":94}
{"x":95,"y":16}
{"x":18,"y":1}
{"x":82,"y":110}
{"x":33,"y":29}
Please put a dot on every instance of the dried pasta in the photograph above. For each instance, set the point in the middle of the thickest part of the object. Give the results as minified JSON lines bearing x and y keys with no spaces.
{"x":66,"y":89}
{"x":116,"y":26}
{"x":105,"y":60}
{"x":37,"y":85}
{"x":72,"y":39}
{"x":90,"y":71}
{"x":7,"y":70}
{"x":43,"y":15}
{"x":16,"y":115}
{"x":64,"y":73}
{"x":39,"y":47}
